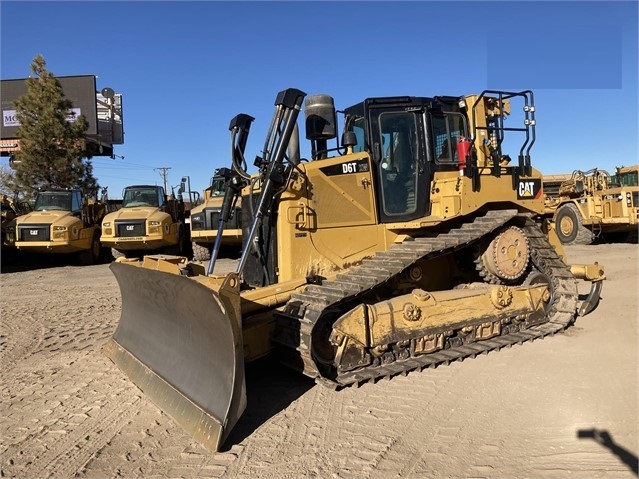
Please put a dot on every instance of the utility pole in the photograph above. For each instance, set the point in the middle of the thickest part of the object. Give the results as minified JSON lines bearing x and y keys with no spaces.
{"x":164,"y":172}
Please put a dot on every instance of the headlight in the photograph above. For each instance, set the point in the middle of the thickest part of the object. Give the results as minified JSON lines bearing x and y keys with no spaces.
{"x":155,"y":223}
{"x":59,"y":228}
{"x":106,"y":225}
{"x":197,"y":222}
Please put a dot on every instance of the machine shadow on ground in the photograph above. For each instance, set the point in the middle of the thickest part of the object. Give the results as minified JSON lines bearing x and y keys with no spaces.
{"x":271,"y":388}
{"x":15,"y":261}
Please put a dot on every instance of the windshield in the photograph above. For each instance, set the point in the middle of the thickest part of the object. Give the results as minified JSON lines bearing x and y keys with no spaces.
{"x":217,"y":186}
{"x":140,"y":197}
{"x":630,"y":178}
{"x":50,"y":201}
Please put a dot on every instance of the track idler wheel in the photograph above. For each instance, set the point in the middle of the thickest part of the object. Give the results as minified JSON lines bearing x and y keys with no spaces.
{"x":506,"y":257}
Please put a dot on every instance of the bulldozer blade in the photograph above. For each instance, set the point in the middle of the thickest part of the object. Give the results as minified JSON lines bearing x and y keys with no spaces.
{"x":181,"y":344}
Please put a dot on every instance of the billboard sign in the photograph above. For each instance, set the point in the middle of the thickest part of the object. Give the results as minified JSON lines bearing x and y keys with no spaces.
{"x":80,"y":90}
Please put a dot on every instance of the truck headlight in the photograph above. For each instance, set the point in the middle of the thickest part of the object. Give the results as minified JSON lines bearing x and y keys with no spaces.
{"x":197,"y":222}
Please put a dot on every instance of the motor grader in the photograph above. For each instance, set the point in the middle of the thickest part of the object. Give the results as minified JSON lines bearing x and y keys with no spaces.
{"x":412,"y":243}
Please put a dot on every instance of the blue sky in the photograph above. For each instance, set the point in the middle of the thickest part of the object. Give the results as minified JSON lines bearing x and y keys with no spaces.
{"x":184,"y":69}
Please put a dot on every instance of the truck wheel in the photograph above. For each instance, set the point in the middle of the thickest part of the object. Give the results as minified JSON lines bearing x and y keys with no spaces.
{"x":569,"y":226}
{"x":200,"y":252}
{"x":178,"y":248}
{"x":92,"y":255}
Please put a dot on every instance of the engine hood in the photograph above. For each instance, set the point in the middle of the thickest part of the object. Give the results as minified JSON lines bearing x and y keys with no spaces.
{"x":143,"y":212}
{"x":58,"y":217}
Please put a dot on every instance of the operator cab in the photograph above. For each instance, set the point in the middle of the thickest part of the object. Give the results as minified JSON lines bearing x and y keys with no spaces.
{"x":409,"y":138}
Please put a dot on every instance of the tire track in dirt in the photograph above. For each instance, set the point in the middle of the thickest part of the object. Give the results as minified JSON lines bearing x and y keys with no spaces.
{"x":345,"y":433}
{"x":67,"y":411}
{"x":52,"y":428}
{"x":17,"y":339}
{"x":60,"y":402}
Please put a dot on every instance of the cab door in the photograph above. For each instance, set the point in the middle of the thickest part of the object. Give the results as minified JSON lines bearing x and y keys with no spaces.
{"x":401,"y":171}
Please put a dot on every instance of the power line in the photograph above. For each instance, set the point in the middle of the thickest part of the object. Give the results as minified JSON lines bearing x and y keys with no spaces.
{"x":120,"y":166}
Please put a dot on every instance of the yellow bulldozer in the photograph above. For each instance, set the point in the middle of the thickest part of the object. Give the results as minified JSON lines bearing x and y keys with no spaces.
{"x":412,"y":243}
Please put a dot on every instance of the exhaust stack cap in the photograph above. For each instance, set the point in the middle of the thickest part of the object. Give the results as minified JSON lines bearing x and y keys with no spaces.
{"x":321,"y":122}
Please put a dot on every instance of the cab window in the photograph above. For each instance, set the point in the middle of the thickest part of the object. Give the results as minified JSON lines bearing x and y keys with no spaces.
{"x":447,"y":128}
{"x":358,"y":126}
{"x":76,"y":201}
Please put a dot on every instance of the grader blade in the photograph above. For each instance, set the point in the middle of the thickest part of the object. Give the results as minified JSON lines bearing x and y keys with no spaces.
{"x":181,"y":344}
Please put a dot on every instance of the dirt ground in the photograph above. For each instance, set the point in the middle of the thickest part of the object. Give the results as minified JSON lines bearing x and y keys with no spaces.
{"x":561,"y":407}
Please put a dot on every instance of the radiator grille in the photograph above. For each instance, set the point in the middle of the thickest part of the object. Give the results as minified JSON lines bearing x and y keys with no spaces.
{"x":124,"y":229}
{"x":35,"y":232}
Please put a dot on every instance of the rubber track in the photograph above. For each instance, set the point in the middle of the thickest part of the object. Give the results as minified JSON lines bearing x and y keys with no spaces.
{"x":297,"y":320}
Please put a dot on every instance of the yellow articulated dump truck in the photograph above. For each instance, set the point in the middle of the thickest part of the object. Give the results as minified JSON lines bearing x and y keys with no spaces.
{"x":147,"y":222}
{"x":63,"y":221}
{"x":589,"y":205}
{"x":413,"y":242}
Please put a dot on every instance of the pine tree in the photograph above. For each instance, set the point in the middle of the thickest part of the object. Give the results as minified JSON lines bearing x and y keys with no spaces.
{"x":52,"y":149}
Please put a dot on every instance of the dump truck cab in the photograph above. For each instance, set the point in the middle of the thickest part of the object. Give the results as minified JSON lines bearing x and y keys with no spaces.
{"x":62,"y":221}
{"x":147,"y":222}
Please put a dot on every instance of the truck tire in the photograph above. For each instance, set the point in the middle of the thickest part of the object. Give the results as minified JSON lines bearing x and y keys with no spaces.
{"x":569,"y":226}
{"x":92,"y":255}
{"x":178,"y":248}
{"x":201,"y":252}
